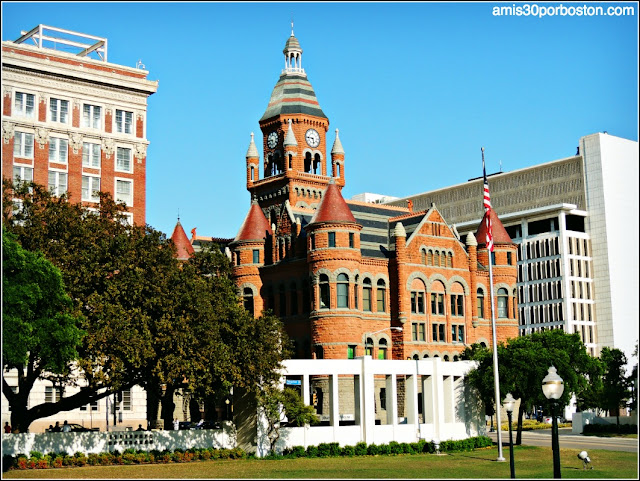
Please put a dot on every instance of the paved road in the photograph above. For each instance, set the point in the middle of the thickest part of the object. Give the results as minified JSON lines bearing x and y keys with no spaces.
{"x":567,"y":439}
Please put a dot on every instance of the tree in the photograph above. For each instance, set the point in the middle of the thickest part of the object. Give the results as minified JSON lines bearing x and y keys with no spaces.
{"x":113,"y":274}
{"x":633,"y":382}
{"x":615,"y":385}
{"x":523,"y":363}
{"x":40,"y":335}
{"x":273,"y":401}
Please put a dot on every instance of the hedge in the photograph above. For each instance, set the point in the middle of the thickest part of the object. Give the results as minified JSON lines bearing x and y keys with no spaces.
{"x":610,"y":428}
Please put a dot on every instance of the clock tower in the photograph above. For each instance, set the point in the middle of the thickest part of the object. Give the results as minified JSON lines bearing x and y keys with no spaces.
{"x":294,"y":130}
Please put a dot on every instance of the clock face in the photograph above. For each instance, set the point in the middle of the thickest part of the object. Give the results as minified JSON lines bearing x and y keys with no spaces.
{"x":312,"y":137}
{"x":272,"y":139}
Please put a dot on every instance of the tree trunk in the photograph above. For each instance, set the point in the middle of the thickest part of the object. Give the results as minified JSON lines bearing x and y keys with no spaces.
{"x":153,"y":402}
{"x":520,"y":417}
{"x":168,"y":407}
{"x":20,"y":419}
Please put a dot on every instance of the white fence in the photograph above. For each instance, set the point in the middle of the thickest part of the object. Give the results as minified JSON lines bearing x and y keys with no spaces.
{"x":448,"y":410}
{"x":579,"y":420}
{"x":100,"y":442}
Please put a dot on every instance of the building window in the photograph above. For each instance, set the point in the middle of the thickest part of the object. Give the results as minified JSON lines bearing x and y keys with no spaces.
{"x":351,"y":351}
{"x":414,"y":331}
{"x":92,"y":404}
{"x":313,"y":241}
{"x":324,"y":292}
{"x":23,"y":145}
{"x":509,"y":258}
{"x":57,"y":183}
{"x":457,"y":333}
{"x":91,"y":155}
{"x":124,"y":121}
{"x":343,"y":290}
{"x":256,"y":256}
{"x":90,"y":188}
{"x":382,"y":349}
{"x":91,"y":116}
{"x":52,"y":395}
{"x":417,"y":302}
{"x":437,"y":304}
{"x":124,"y":398}
{"x":332,"y":239}
{"x":381,"y":294}
{"x":123,"y":159}
{"x":351,"y":240}
{"x":438,"y":332}
{"x":383,"y":398}
{"x":503,"y":297}
{"x":319,"y":355}
{"x":429,"y":258}
{"x":480,"y":300}
{"x":58,"y":150}
{"x":124,"y":191}
{"x":22,"y":174}
{"x":247,"y":300}
{"x":58,"y":110}
{"x":368,"y":347}
{"x":422,"y":332}
{"x":449,"y":259}
{"x":356,"y":305}
{"x":23,"y":104}
{"x":457,"y":305}
{"x":366,"y":294}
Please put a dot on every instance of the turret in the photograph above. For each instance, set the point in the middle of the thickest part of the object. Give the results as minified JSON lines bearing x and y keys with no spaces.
{"x":184,"y":249}
{"x":337,"y":161}
{"x":253,"y":159}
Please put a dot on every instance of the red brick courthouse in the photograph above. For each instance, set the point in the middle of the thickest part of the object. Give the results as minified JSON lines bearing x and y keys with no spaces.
{"x":345,"y":275}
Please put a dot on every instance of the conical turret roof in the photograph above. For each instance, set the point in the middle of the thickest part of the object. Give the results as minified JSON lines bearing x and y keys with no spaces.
{"x":498,"y":231}
{"x":255,"y":226}
{"x":183,"y":244}
{"x":333,"y":208}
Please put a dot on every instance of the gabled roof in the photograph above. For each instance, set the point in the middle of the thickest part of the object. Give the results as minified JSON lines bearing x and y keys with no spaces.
{"x":498,"y":231}
{"x":182,"y":243}
{"x":333,"y":208}
{"x":255,"y":225}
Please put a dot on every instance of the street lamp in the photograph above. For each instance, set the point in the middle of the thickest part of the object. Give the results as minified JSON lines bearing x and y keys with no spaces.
{"x":553,"y":387}
{"x":508,"y":404}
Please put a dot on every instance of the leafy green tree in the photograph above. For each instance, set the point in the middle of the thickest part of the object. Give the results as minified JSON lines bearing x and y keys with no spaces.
{"x":40,"y":336}
{"x":615,"y":385}
{"x":633,"y":382}
{"x":524,"y":361}
{"x":272,"y":401}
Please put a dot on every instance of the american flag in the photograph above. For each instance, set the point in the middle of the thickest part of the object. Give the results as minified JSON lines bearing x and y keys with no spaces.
{"x":487,"y":207}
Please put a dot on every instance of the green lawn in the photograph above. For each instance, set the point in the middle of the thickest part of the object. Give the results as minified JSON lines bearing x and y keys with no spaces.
{"x":530,"y":461}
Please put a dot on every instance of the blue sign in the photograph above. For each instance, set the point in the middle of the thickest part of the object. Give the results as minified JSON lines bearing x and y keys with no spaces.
{"x":293,"y":382}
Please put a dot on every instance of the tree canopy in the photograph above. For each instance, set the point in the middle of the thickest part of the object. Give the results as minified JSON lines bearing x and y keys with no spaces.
{"x":147,"y":319}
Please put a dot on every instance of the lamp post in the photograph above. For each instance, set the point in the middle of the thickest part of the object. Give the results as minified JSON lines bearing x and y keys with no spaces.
{"x":508,"y":404}
{"x":367,"y":334}
{"x":553,"y":387}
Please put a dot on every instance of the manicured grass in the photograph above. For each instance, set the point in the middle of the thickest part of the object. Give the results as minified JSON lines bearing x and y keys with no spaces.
{"x":530,"y":462}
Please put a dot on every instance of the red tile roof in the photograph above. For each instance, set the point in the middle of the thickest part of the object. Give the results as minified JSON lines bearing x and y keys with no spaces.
{"x":182,"y":243}
{"x":500,"y":235}
{"x":333,"y":208}
{"x":255,"y":226}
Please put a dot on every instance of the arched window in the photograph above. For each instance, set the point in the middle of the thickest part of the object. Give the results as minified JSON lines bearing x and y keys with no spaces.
{"x":429,"y":258}
{"x":293,"y":292}
{"x":247,"y":297}
{"x":343,"y":290}
{"x":316,"y":164}
{"x":381,"y":295}
{"x":480,"y":300}
{"x":503,"y":302}
{"x":355,"y":294}
{"x":423,"y":255}
{"x":443,"y":259}
{"x":445,"y":358}
{"x":307,"y":162}
{"x":319,"y":352}
{"x":514,"y":303}
{"x":426,"y":356}
{"x":368,"y":347}
{"x":416,"y":357}
{"x":366,"y":294}
{"x":290,"y":161}
{"x":324,"y":291}
{"x":382,"y":348}
{"x":253,"y":174}
{"x":449,"y":259}
{"x":436,"y":258}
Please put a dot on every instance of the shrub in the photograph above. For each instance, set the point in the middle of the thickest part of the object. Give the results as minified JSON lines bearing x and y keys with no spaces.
{"x":42,"y":463}
{"x":407,"y":448}
{"x":395,"y":447}
{"x":57,"y":462}
{"x":295,"y":452}
{"x":312,"y":451}
{"x":35,"y":455}
{"x":373,"y":450}
{"x":324,"y":450}
{"x":384,"y":449}
{"x":93,"y":459}
{"x":348,"y":451}
{"x":361,"y":449}
{"x":79,"y":459}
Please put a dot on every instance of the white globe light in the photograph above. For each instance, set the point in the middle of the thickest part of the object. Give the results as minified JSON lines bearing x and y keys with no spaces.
{"x":509,"y":403}
{"x":552,"y":384}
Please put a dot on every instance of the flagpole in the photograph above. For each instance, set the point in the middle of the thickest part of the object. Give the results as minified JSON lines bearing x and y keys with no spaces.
{"x":496,"y":375}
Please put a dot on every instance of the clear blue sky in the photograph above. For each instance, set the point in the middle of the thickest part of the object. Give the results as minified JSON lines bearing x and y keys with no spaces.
{"x":415,"y":89}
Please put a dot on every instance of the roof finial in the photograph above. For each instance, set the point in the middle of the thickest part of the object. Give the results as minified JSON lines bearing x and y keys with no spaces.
{"x":178,"y":214}
{"x":292,"y":25}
